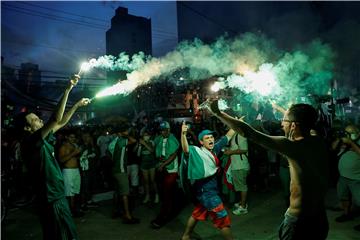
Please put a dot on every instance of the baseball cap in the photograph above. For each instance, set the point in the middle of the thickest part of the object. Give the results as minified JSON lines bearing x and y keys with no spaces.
{"x":205,"y":132}
{"x":164,"y":125}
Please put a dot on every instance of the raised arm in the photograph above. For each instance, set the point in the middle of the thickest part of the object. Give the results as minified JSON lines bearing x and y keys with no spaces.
{"x":230,"y":134}
{"x":66,"y":118}
{"x":276,"y":143}
{"x":57,"y":115}
{"x":184,"y":142}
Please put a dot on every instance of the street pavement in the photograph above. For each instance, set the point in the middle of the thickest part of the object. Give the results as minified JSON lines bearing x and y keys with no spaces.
{"x":266,"y":211}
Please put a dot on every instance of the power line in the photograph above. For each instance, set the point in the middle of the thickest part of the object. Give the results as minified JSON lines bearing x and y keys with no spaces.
{"x":51,"y":47}
{"x":57,"y":16}
{"x":69,"y":13}
{"x":39,"y":100}
{"x":206,"y":17}
{"x":70,"y":20}
{"x":52,"y":17}
{"x":17,"y":91}
{"x":155,"y":35}
{"x":55,"y":77}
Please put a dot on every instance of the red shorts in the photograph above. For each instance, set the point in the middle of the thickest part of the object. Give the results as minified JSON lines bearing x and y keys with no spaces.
{"x":200,"y":213}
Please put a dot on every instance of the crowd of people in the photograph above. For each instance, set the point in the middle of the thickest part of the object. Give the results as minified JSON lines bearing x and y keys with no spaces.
{"x":167,"y":163}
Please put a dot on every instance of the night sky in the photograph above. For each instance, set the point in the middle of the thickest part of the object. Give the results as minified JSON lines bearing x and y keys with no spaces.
{"x":59,"y":35}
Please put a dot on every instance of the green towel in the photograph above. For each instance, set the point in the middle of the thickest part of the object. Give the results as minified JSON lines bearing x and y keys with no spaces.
{"x":172,"y":146}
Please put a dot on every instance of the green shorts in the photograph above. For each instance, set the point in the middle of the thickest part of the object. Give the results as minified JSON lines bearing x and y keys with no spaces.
{"x":122,"y":184}
{"x":147,"y":162}
{"x":239,"y":180}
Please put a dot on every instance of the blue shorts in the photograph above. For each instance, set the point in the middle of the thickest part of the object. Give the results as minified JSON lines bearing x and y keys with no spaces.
{"x":210,"y":203}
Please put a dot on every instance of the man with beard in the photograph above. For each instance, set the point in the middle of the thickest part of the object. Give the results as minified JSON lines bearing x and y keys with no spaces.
{"x":308,"y":162}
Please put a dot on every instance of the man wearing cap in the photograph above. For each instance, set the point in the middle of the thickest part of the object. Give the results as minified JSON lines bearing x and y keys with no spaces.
{"x":166,"y":149}
{"x":202,"y":167}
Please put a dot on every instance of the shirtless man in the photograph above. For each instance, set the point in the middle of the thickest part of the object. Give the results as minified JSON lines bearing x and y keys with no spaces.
{"x":69,"y":154}
{"x":308,"y":162}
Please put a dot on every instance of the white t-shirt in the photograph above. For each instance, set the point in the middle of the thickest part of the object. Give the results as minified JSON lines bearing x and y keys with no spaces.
{"x":239,"y":161}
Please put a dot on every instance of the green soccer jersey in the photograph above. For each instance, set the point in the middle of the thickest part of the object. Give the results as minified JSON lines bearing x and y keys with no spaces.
{"x":120,"y":155}
{"x":45,"y":170}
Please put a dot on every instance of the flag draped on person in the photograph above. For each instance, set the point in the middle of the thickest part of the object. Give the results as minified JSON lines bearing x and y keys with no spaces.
{"x":199,"y":163}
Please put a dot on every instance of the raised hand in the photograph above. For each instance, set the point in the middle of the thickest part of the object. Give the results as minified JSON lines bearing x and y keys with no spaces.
{"x":74,"y":80}
{"x":184,"y":128}
{"x":83,"y":102}
{"x":214,"y":107}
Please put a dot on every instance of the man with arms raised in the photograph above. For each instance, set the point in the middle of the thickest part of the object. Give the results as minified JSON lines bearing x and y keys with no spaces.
{"x":202,"y":168}
{"x":38,"y":153}
{"x":308,"y":162}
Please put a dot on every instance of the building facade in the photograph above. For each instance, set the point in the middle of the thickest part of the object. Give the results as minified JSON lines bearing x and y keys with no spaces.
{"x":130,"y":34}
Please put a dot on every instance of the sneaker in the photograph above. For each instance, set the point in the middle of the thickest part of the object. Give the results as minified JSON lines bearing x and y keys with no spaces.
{"x":156,"y":200}
{"x":147,"y":199}
{"x":236,"y":205}
{"x":344,"y":218}
{"x":240,"y":210}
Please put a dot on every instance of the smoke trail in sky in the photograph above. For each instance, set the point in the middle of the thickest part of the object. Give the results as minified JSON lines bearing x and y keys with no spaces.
{"x":250,"y":62}
{"x":122,"y":62}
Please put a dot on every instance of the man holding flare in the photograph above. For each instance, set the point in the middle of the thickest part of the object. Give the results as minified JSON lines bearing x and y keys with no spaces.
{"x":308,"y":162}
{"x":37,"y":150}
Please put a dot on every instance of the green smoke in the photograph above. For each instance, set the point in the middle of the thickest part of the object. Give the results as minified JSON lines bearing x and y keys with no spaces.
{"x":306,"y":69}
